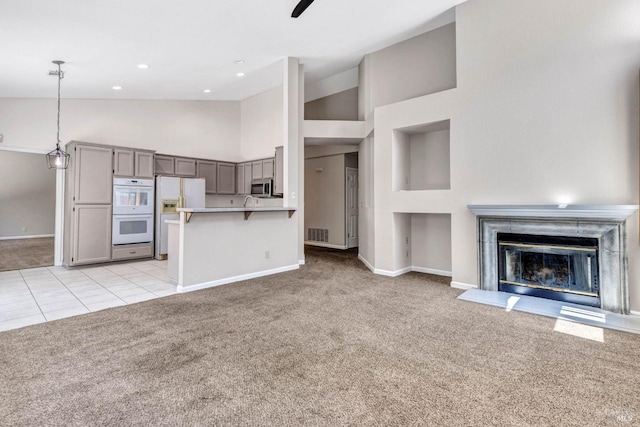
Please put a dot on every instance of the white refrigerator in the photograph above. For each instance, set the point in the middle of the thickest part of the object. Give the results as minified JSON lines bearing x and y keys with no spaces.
{"x":167,"y":195}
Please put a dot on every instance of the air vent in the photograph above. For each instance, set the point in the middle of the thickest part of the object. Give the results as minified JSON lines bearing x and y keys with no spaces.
{"x":317,"y":235}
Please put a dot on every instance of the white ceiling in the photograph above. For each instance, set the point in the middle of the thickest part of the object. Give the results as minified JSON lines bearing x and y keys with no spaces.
{"x":192,"y":45}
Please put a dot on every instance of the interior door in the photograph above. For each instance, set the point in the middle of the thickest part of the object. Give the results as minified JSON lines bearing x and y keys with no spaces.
{"x":352,"y":207}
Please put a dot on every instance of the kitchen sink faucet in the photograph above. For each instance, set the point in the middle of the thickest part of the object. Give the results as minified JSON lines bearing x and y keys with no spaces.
{"x":246,"y":199}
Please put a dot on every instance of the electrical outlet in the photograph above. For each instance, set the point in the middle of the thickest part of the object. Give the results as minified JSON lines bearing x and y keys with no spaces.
{"x":267,"y":255}
{"x":407,"y":254}
{"x":231,"y":201}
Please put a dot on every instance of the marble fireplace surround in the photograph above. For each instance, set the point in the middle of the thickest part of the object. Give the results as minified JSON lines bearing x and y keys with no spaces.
{"x":603,"y":222}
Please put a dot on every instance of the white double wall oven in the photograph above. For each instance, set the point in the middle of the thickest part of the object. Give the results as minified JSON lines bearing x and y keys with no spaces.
{"x":133,"y":207}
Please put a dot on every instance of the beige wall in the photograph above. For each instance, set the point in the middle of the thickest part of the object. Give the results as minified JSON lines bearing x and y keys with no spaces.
{"x":545,"y":110}
{"x":27,"y":195}
{"x":208,"y":129}
{"x":339,"y":106}
{"x":262,"y":129}
{"x":421,"y":65}
{"x":324,"y":180}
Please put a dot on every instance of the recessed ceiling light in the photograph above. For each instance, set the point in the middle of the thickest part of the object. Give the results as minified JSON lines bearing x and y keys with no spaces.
{"x":207,"y":91}
{"x":116,"y":87}
{"x":143,"y":66}
{"x":240,"y":74}
{"x":240,"y":61}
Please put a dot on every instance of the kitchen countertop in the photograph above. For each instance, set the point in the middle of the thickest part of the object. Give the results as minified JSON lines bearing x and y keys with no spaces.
{"x":247,"y":210}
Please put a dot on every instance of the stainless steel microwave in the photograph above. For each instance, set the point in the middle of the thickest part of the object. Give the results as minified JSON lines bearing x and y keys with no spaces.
{"x":262,"y":187}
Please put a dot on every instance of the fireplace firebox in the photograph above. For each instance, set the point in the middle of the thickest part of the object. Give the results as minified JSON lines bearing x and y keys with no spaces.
{"x":555,"y":267}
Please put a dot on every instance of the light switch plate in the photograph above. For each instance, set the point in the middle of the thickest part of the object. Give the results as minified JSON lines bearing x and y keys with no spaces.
{"x":1,"y":137}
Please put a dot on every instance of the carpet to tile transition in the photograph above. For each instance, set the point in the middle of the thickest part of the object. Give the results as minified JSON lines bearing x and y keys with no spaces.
{"x":18,"y":254}
{"x":329,"y":344}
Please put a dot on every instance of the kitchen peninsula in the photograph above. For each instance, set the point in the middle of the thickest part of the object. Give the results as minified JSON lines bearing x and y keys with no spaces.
{"x":215,"y":246}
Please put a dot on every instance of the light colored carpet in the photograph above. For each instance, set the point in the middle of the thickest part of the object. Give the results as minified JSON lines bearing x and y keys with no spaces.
{"x":329,"y":344}
{"x":18,"y":254}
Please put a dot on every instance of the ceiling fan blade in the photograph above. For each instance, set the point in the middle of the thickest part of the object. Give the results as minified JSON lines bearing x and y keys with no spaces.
{"x":300,"y":7}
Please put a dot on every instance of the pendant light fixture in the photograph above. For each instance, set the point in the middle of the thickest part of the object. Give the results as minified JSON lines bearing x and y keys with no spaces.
{"x":58,"y":159}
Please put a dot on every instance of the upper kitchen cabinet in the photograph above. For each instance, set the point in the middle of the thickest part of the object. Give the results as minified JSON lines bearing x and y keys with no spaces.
{"x":164,"y":165}
{"x":92,"y":174}
{"x":209,"y":171}
{"x":256,"y":169}
{"x":226,"y":178}
{"x":144,"y":164}
{"x":185,"y":167}
{"x":132,"y":163}
{"x":267,"y":168}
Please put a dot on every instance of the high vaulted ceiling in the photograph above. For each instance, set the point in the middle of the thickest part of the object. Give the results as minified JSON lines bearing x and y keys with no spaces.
{"x":193,"y":45}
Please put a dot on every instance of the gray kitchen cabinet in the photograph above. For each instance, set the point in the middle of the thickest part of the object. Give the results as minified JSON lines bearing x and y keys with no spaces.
{"x":226,"y":178}
{"x":185,"y":167}
{"x":132,"y":163}
{"x":267,"y":168}
{"x":164,"y":165}
{"x":240,"y":178}
{"x":123,"y":162}
{"x":256,"y":169}
{"x":278,"y":179}
{"x":87,"y":213}
{"x":209,"y":171}
{"x":91,"y":234}
{"x":248,"y":173}
{"x":92,"y":174}
{"x":144,"y":164}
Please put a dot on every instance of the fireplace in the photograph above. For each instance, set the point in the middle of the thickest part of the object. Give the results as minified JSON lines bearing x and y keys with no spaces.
{"x":575,"y":253}
{"x":555,"y":267}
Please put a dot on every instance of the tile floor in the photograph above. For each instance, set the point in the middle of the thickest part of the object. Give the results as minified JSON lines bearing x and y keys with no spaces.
{"x":42,"y":294}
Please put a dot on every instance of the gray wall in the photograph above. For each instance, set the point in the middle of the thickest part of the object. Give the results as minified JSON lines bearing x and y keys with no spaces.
{"x":339,"y":106}
{"x":27,"y":195}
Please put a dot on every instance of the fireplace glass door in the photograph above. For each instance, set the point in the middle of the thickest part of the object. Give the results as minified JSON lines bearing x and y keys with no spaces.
{"x":556,"y":267}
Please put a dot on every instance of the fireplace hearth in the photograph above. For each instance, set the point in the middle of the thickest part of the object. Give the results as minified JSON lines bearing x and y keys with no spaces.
{"x":574,"y":253}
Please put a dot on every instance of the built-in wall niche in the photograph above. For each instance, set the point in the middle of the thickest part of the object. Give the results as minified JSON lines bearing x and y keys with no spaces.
{"x":421,"y":157}
{"x":423,"y":242}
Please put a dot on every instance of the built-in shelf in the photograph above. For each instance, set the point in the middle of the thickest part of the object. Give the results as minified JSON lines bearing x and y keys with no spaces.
{"x":421,"y":159}
{"x":247,"y":211}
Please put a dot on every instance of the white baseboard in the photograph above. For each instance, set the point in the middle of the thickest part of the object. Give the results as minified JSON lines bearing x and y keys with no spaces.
{"x":635,"y":313}
{"x":325,"y":245}
{"x":365,"y":262}
{"x":432,"y":271}
{"x":227,"y":280}
{"x":33,"y":236}
{"x":301,"y":262}
{"x":392,"y":273}
{"x":464,"y":286}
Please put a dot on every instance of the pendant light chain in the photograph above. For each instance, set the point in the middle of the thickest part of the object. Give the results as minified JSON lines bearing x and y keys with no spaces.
{"x":59,"y":80}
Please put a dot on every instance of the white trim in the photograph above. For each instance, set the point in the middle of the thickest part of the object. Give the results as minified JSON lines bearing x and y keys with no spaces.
{"x":33,"y":236}
{"x":301,"y":262}
{"x":620,"y":212}
{"x":325,"y":245}
{"x":366,"y":263}
{"x":58,"y":244}
{"x":392,"y":273}
{"x":464,"y":286}
{"x":635,"y":313}
{"x":213,"y":283}
{"x":431,"y":271}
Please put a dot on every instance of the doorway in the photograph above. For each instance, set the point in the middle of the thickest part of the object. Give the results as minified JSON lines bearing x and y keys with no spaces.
{"x":27,"y":209}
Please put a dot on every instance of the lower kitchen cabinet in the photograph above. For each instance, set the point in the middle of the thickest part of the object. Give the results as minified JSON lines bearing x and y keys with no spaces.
{"x":91,"y":234}
{"x":138,"y":250}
